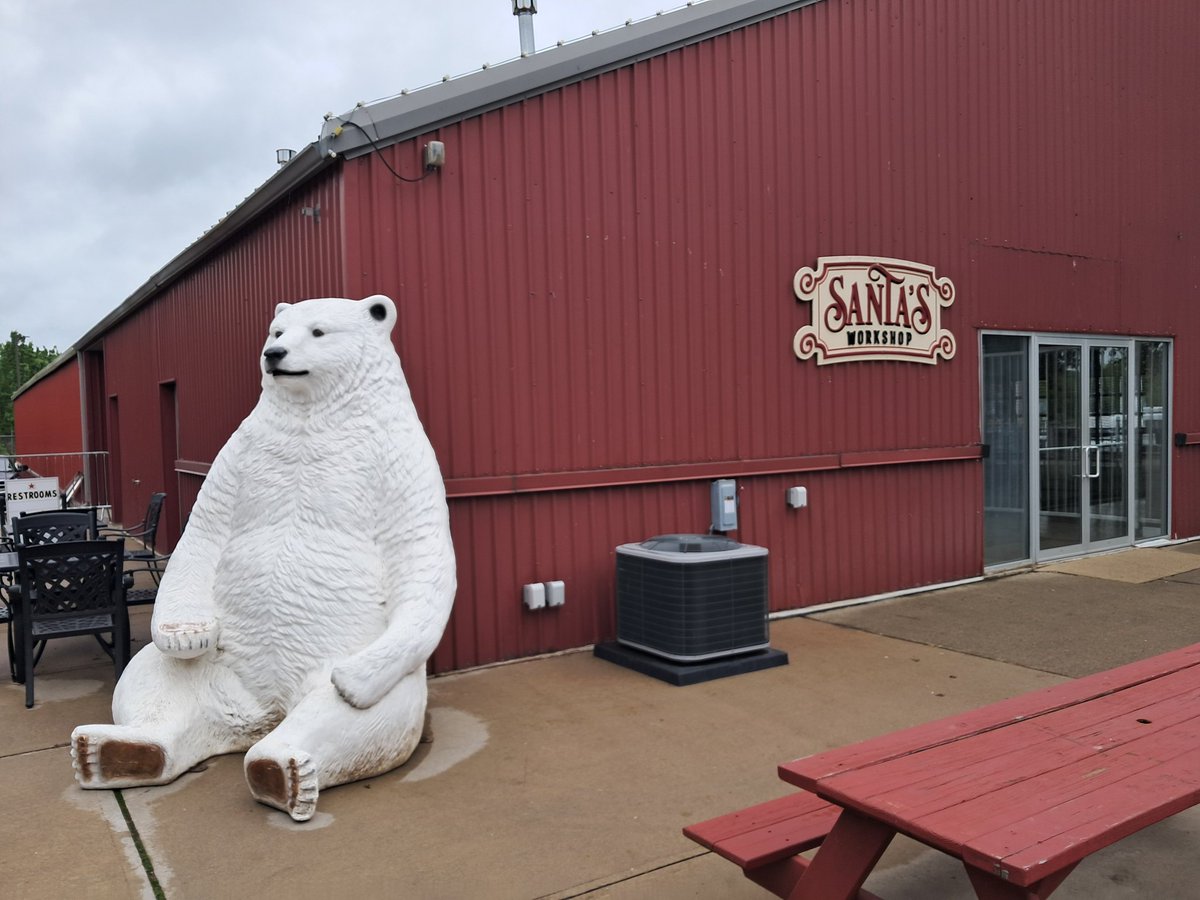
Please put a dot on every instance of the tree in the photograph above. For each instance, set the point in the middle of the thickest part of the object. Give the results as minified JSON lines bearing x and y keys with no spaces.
{"x":19,"y":361}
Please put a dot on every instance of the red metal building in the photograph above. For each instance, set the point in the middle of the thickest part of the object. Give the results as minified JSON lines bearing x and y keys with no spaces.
{"x":49,"y":420}
{"x":47,"y":426}
{"x":597,"y":306}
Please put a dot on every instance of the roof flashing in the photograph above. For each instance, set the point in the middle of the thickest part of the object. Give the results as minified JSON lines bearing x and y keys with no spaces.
{"x":412,"y":113}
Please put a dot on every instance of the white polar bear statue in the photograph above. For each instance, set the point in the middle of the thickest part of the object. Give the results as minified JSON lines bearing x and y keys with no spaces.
{"x":313,"y":581}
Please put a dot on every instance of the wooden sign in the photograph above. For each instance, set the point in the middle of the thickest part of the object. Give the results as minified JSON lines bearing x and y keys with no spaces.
{"x":866,"y":308}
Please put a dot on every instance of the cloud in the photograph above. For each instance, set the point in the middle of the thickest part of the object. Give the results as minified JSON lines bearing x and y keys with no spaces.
{"x":135,"y":125}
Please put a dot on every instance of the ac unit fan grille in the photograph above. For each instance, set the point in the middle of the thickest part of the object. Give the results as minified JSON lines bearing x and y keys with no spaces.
{"x":700,"y":610}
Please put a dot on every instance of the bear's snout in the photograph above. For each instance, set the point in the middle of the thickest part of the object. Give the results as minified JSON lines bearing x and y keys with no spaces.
{"x":274,"y":356}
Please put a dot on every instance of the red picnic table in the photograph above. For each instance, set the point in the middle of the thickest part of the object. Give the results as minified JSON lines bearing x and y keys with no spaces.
{"x":1021,"y":791}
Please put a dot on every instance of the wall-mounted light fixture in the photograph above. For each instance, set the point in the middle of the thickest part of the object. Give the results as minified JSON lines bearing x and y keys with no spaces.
{"x":283,"y":155}
{"x":435,"y":155}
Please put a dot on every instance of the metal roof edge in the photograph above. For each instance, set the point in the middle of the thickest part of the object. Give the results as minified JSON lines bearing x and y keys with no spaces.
{"x":404,"y":116}
{"x":410,"y":114}
{"x":302,"y":167}
{"x":50,"y":368}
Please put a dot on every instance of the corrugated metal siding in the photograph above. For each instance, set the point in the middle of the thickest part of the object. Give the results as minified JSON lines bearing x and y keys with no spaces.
{"x":912,"y":531}
{"x":601,"y":278}
{"x":47,"y":418}
{"x":609,"y":282}
{"x":204,"y":333}
{"x":596,"y":290}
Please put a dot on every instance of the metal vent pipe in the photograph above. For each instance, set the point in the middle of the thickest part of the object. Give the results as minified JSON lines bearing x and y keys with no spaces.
{"x":524,"y":10}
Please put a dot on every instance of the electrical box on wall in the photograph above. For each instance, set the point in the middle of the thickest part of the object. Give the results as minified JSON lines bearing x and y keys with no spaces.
{"x":435,"y":155}
{"x":540,"y":595}
{"x":534,"y":596}
{"x":724,"y":505}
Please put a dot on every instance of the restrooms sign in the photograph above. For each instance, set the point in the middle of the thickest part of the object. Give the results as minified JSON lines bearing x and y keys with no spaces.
{"x":22,"y":495}
{"x":867,"y":308}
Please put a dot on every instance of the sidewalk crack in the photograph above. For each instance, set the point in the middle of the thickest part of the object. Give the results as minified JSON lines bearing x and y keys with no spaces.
{"x":147,"y":864}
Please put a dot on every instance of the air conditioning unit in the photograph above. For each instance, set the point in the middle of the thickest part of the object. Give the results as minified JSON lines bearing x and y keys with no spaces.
{"x":692,"y":597}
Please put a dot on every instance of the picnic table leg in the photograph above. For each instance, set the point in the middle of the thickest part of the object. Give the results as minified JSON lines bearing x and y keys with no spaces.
{"x":780,"y":877}
{"x":845,"y":859}
{"x":991,"y":887}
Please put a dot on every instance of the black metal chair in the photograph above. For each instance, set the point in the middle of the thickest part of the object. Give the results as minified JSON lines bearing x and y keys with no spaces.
{"x":69,"y":589}
{"x":53,"y":527}
{"x":92,"y":512}
{"x":147,"y":559}
{"x":7,"y":577}
{"x":145,"y":532}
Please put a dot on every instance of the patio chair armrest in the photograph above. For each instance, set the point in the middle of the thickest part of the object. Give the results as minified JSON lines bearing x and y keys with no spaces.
{"x":145,"y":558}
{"x":127,"y":580}
{"x":124,"y":532}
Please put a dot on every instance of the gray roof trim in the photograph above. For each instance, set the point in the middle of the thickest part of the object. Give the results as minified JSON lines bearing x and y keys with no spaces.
{"x":402,"y":117}
{"x":409,"y":115}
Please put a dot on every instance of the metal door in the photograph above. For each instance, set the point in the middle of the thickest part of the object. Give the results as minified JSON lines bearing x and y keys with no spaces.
{"x":1082,"y":446}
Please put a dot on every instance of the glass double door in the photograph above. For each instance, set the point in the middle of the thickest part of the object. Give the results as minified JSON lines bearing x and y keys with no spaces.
{"x":1084,"y":477}
{"x":1077,"y":443}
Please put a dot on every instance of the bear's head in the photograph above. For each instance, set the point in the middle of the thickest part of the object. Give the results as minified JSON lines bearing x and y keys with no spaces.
{"x":319,"y":349}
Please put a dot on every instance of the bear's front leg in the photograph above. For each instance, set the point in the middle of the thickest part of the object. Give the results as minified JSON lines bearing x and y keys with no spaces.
{"x":185,"y":639}
{"x":413,"y":631}
{"x":360,"y":681}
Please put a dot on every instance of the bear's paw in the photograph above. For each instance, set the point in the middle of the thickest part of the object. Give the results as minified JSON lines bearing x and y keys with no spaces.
{"x":358,"y":683}
{"x":186,"y":640}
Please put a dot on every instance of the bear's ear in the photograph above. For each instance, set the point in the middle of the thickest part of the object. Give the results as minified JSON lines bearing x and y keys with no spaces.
{"x":280,"y":307}
{"x":381,"y":309}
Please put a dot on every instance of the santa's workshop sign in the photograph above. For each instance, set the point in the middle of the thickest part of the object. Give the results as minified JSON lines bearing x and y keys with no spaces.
{"x":872,"y":308}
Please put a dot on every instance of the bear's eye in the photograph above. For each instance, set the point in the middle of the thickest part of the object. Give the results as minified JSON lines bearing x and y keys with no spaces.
{"x":279,"y":334}
{"x":317,"y":332}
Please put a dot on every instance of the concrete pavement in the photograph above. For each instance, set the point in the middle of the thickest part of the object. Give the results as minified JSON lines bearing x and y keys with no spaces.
{"x":569,"y":776}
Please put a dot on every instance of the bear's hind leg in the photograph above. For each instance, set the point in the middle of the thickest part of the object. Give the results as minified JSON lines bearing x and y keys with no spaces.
{"x":324,"y":741}
{"x":117,"y":756}
{"x":286,"y":780}
{"x":164,"y":725}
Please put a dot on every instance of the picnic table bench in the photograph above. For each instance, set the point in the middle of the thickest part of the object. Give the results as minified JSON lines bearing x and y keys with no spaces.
{"x":1020,"y":791}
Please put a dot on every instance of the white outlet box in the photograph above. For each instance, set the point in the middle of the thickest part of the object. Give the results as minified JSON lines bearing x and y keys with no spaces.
{"x":534,"y":595}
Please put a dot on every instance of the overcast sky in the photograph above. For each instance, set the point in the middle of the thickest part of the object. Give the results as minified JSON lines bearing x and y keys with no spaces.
{"x":135,"y":125}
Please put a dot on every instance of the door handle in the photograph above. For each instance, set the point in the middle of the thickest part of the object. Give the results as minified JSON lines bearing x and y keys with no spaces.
{"x":1093,"y":472}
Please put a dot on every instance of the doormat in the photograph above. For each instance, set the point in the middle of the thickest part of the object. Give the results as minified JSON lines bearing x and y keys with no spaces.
{"x":1137,"y":566}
